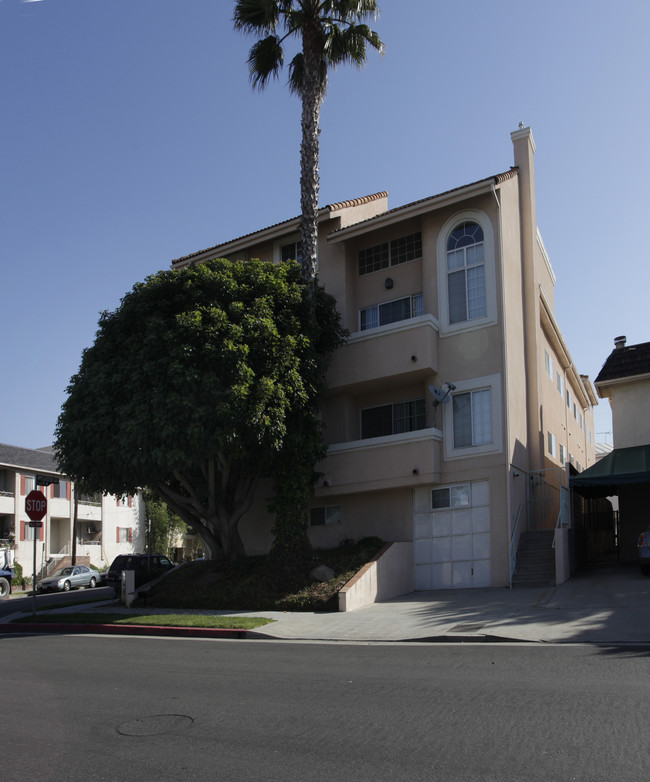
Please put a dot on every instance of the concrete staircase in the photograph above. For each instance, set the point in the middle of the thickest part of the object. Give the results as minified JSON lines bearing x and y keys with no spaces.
{"x":535,"y":565}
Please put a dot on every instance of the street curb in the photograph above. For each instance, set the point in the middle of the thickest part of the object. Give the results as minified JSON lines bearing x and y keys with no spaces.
{"x":111,"y":629}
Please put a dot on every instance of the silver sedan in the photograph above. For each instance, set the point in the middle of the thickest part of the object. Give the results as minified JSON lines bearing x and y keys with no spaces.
{"x":67,"y":578}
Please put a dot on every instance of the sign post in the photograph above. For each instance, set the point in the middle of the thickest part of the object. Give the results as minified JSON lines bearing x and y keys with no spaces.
{"x":35,"y":508}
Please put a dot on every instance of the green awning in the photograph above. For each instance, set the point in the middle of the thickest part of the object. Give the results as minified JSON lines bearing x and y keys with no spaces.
{"x":621,"y":467}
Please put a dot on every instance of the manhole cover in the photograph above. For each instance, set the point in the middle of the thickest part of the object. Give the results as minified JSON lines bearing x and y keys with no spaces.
{"x":154,"y":726}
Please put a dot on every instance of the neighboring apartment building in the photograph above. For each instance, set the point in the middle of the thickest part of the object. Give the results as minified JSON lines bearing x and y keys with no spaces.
{"x":625,"y":472}
{"x":106,"y":525}
{"x":455,"y":395}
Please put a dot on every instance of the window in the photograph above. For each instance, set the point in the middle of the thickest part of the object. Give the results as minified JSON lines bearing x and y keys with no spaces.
{"x":582,"y":422}
{"x":60,"y":489}
{"x":466,"y":273}
{"x":291,"y":252}
{"x":393,"y":419}
{"x":568,"y":399}
{"x":28,"y":533}
{"x":472,"y":418}
{"x":386,"y":254}
{"x":325,"y":516}
{"x":562,"y":454}
{"x":473,"y":423}
{"x":452,"y":497}
{"x":550,"y":443}
{"x":27,"y":484}
{"x":560,"y":384}
{"x":390,"y":312}
{"x":548,"y":364}
{"x":124,"y":534}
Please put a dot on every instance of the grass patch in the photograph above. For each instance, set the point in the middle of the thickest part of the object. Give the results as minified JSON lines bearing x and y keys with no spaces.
{"x":244,"y":585}
{"x":164,"y":620}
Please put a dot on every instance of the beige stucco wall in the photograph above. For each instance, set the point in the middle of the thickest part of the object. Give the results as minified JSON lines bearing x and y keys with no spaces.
{"x":630,"y":420}
{"x":389,"y":575}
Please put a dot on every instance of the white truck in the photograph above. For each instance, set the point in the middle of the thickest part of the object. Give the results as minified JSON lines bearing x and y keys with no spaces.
{"x":6,"y":571}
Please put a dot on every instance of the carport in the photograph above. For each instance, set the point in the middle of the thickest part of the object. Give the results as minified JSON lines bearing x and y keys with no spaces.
{"x":625,"y":472}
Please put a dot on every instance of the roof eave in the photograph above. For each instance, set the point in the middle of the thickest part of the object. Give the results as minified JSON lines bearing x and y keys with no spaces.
{"x":417,"y":208}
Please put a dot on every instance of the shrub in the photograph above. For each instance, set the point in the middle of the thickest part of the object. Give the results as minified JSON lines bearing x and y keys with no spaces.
{"x":17,"y":580}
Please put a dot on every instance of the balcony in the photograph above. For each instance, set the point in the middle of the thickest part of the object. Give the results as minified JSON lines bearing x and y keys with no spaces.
{"x":7,"y":503}
{"x":388,"y":462}
{"x":404,"y":350}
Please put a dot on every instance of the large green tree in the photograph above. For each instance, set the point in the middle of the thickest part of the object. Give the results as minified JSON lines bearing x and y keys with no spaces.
{"x":190,"y":388}
{"x":330,"y":32}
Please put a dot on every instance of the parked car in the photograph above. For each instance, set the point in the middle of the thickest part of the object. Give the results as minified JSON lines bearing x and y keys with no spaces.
{"x":66,"y":578}
{"x":644,"y":552}
{"x":146,"y":567}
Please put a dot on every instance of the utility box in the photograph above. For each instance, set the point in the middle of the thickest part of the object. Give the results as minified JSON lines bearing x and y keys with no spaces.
{"x":128,"y":587}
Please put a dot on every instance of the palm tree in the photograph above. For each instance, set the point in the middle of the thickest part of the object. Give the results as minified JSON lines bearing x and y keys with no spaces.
{"x":331,"y":32}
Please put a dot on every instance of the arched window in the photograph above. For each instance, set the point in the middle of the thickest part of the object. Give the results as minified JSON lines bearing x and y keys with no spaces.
{"x":466,"y":273}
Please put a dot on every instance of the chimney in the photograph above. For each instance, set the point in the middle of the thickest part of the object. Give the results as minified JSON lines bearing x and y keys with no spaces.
{"x":619,"y":342}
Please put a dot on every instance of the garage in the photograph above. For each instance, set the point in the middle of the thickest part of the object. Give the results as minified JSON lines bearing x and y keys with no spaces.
{"x":452,"y":536}
{"x":625,"y":472}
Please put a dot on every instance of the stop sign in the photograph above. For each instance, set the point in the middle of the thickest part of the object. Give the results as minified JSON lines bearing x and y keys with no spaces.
{"x":35,"y":505}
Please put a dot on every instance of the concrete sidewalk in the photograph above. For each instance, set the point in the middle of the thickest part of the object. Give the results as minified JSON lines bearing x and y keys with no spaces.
{"x":606,"y":605}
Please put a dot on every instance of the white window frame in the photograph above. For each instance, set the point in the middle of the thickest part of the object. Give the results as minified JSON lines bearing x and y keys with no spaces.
{"x":415,"y":309}
{"x":493,"y":383}
{"x":293,"y":238}
{"x":392,"y":254}
{"x":394,"y":418}
{"x":550,"y":444}
{"x":466,"y":216}
{"x":548,"y":364}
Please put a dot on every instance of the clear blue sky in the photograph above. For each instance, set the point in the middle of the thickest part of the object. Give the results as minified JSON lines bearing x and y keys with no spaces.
{"x":131,"y":136}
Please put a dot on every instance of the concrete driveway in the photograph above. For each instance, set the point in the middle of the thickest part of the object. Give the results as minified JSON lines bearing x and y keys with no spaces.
{"x":609,"y":604}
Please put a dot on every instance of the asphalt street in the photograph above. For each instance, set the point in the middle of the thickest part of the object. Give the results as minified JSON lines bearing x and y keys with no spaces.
{"x":102,"y":708}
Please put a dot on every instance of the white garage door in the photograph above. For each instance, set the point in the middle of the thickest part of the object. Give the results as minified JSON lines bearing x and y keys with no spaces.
{"x":452,"y":536}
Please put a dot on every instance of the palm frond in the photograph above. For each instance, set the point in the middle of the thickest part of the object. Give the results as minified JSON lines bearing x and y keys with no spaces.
{"x":265,"y":61}
{"x":297,"y":75}
{"x":353,"y":9}
{"x":256,"y":16}
{"x":350,"y":45}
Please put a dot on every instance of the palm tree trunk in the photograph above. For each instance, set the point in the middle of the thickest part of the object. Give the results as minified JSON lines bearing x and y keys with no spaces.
{"x":312,"y":97}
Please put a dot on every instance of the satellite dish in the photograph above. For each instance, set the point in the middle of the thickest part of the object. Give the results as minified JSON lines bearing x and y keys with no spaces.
{"x":439,"y":395}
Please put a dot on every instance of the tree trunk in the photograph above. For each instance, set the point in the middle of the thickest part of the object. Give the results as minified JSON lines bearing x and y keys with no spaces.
{"x":312,"y":97}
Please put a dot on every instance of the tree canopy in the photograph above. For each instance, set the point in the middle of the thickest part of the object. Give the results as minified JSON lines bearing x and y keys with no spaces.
{"x":190,"y":386}
{"x":331,"y":33}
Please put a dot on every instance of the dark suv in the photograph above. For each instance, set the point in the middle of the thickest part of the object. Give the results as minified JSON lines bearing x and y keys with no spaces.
{"x":146,"y":567}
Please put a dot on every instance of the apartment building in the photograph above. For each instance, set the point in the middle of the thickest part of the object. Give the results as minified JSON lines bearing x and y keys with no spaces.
{"x":105,"y":527}
{"x":455,"y":407}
